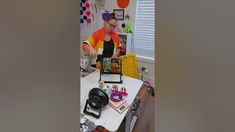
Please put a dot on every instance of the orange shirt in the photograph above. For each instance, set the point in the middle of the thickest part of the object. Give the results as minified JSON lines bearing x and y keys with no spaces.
{"x":96,"y":40}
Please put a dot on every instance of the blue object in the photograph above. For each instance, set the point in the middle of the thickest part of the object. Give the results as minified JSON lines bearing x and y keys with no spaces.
{"x":83,"y":8}
{"x":81,"y":21}
{"x":105,"y":15}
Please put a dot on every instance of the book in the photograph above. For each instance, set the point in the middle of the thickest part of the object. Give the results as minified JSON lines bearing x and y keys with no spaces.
{"x":115,"y":105}
{"x":123,"y":107}
{"x":120,"y":106}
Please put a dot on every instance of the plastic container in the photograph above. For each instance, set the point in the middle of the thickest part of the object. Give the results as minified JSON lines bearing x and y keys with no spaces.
{"x":129,"y":66}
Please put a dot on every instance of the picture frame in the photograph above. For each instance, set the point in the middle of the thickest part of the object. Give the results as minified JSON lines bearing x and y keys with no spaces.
{"x":119,"y":14}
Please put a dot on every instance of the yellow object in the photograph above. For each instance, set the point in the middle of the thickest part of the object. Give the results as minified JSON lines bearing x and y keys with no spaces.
{"x":129,"y":66}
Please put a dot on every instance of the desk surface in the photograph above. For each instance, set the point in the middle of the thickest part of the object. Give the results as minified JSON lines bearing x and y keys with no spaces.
{"x":109,"y":118}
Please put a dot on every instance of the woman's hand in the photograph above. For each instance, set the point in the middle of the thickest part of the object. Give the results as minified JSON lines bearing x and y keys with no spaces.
{"x":116,"y":54}
{"x":92,"y":52}
{"x":89,"y":49}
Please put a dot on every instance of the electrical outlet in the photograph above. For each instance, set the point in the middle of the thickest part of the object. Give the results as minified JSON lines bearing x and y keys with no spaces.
{"x":144,"y":69}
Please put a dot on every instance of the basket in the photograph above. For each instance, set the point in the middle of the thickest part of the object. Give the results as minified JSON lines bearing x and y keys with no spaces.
{"x":129,"y":66}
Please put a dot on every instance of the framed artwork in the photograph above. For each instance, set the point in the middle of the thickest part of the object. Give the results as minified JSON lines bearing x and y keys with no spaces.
{"x":119,"y":14}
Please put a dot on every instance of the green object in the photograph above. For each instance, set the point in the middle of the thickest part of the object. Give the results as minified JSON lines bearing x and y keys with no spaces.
{"x":128,"y":28}
{"x":107,"y":64}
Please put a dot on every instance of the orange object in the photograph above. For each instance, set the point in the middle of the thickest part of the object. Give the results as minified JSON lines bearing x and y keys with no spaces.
{"x":129,"y":66}
{"x":85,"y":47}
{"x":98,"y":65}
{"x":123,"y":3}
{"x":100,"y":129}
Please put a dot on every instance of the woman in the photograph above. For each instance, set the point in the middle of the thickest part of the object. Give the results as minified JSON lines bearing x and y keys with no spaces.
{"x":104,"y":42}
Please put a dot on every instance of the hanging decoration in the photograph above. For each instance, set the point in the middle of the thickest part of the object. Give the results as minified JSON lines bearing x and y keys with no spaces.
{"x":81,"y":21}
{"x":127,"y":28}
{"x":123,"y":3}
{"x":88,"y":20}
{"x":83,"y":8}
{"x":127,"y":16}
{"x":84,"y":17}
{"x":87,"y":5}
{"x":86,"y":12}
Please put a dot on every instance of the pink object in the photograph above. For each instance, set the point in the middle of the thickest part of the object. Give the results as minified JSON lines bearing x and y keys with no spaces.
{"x":87,"y":5}
{"x":88,"y":20}
{"x":88,"y":13}
{"x":122,"y":93}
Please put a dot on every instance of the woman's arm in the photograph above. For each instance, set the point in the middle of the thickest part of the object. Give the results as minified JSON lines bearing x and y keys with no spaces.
{"x":87,"y":48}
{"x":117,"y":53}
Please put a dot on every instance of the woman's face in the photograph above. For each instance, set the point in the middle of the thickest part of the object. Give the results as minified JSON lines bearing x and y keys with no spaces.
{"x":110,"y":25}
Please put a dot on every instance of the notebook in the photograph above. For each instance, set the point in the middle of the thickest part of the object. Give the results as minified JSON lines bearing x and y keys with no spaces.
{"x":120,"y":106}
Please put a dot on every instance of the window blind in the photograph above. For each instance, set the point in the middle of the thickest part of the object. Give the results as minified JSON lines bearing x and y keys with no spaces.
{"x":144,"y":33}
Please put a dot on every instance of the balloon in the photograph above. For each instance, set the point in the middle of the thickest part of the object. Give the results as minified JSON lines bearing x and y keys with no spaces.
{"x":83,"y":1}
{"x":81,"y":12}
{"x":83,"y":8}
{"x":88,"y":13}
{"x":87,"y":5}
{"x":84,"y":17}
{"x":81,"y":21}
{"x":123,"y":3}
{"x":88,"y":20}
{"x":123,"y":25}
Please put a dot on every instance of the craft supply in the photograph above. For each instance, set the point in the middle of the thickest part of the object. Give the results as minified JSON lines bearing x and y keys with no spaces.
{"x":101,"y":84}
{"x":84,"y":128}
{"x":123,"y":107}
{"x":100,"y":129}
{"x":119,"y":92}
{"x":116,"y":97}
{"x":115,"y":87}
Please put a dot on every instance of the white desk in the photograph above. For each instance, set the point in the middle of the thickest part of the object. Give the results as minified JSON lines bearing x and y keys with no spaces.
{"x":109,"y":118}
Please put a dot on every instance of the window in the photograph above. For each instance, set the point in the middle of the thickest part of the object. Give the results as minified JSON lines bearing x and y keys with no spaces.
{"x":144,"y":42}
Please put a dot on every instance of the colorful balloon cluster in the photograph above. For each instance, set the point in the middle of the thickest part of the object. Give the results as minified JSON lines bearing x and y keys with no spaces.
{"x":85,"y":12}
